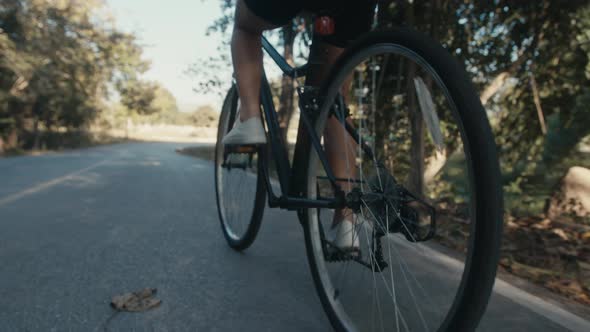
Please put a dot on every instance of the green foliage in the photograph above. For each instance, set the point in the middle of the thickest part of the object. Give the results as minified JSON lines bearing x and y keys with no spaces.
{"x":209,"y":72}
{"x":138,"y":96}
{"x":565,"y":134}
{"x":58,"y":63}
{"x":504,"y":45}
{"x":205,"y":116}
{"x":154,"y":104}
{"x":143,"y":102}
{"x":512,"y":43}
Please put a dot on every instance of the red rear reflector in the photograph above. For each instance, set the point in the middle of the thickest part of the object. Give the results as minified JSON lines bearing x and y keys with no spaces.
{"x":324,"y":26}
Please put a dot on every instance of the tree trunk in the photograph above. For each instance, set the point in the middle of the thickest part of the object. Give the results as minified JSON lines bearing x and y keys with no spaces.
{"x":493,"y":87}
{"x":36,"y":134}
{"x":434,"y":165}
{"x":12,"y":140}
{"x":417,"y":137}
{"x":416,"y":184}
{"x":537,"y":100}
{"x":498,"y":82}
{"x":285,"y":111}
{"x":438,"y":160}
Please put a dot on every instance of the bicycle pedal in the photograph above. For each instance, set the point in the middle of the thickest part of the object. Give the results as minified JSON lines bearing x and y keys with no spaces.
{"x":337,"y":255}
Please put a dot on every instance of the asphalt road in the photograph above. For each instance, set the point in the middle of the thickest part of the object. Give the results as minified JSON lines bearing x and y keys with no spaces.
{"x":79,"y":227}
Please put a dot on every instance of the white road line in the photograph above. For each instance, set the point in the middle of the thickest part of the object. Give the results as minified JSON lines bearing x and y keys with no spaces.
{"x":541,"y":307}
{"x":45,"y":185}
{"x":548,"y":310}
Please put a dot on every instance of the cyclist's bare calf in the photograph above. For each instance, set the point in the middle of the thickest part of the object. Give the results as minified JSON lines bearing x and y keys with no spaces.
{"x":246,"y":48}
{"x":339,"y":145}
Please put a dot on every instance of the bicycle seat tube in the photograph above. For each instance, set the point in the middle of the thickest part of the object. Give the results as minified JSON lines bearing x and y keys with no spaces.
{"x":321,"y":56}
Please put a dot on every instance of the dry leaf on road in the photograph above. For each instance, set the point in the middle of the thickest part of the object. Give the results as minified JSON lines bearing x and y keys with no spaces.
{"x":142,"y":300}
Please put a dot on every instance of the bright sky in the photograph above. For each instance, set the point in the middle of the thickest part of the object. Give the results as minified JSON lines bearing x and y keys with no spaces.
{"x":173,"y":35}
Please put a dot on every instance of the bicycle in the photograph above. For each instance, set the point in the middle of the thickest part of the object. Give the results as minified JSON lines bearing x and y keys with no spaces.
{"x":424,"y":186}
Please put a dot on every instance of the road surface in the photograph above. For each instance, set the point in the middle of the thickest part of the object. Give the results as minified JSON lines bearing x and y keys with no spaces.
{"x":79,"y":227}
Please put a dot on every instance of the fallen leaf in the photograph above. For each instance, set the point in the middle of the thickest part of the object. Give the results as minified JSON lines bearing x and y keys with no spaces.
{"x":543,"y":224}
{"x":559,"y":232}
{"x":512,"y":224}
{"x":570,"y":288}
{"x":141,"y":300}
{"x":572,"y":252}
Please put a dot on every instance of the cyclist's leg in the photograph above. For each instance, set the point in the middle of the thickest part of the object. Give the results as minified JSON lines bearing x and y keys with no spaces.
{"x":341,"y":154}
{"x":340,"y":150}
{"x":247,"y":58}
{"x":251,"y":19}
{"x":352,"y":20}
{"x":339,"y":145}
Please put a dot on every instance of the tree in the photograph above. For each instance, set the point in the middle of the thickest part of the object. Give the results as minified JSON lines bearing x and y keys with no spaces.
{"x":534,"y":53}
{"x":164,"y":109}
{"x":205,"y":116}
{"x":57,"y":62}
{"x":138,"y":96}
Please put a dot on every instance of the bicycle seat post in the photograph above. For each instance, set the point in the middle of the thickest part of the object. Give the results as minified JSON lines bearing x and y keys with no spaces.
{"x":323,"y":26}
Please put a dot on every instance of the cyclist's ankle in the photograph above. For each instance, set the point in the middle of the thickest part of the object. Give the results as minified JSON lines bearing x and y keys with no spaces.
{"x":340,"y":215}
{"x":247,"y":113}
{"x":244,"y":118}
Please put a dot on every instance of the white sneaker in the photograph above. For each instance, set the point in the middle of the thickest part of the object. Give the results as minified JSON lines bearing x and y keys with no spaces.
{"x":345,"y":236}
{"x":246,"y":133}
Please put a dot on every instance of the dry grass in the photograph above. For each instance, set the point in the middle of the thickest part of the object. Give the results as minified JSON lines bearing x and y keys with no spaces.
{"x":167,"y":133}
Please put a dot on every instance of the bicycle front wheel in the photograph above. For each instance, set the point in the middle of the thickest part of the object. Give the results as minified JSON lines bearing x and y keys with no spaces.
{"x":419,"y":167}
{"x":239,"y":182}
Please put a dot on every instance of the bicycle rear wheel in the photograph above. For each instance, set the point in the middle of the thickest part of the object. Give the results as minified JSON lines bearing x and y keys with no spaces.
{"x":423,"y":191}
{"x":239,"y":182}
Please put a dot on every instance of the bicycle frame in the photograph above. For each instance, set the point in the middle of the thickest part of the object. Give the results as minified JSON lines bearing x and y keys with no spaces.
{"x":291,"y":177}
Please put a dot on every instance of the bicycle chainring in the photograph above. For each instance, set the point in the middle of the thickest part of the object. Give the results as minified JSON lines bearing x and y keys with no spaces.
{"x":395,"y":210}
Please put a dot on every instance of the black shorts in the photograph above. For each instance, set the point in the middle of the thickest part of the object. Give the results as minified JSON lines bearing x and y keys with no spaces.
{"x":352,"y":18}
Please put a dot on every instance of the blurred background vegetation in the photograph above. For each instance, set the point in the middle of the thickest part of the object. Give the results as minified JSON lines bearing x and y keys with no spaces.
{"x":67,"y":73}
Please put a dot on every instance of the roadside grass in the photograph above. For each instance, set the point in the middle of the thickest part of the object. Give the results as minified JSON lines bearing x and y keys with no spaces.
{"x":202,"y":152}
{"x":60,"y":141}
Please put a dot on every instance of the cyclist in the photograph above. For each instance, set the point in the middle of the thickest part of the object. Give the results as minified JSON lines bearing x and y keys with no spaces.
{"x":351,"y":19}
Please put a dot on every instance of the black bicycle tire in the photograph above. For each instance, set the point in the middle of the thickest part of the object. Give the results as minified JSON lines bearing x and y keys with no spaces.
{"x":249,"y":236}
{"x":476,"y":287}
